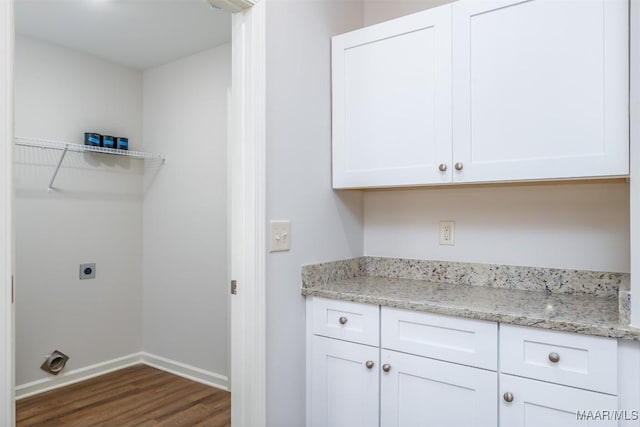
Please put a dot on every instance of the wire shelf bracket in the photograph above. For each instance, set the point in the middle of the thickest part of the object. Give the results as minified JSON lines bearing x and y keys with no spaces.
{"x":79,"y":148}
{"x":55,"y":173}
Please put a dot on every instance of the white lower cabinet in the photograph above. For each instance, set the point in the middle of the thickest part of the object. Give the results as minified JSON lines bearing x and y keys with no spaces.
{"x":345,"y":380}
{"x":382,"y":384}
{"x":417,"y":391}
{"x":530,"y":403}
{"x":432,"y":370}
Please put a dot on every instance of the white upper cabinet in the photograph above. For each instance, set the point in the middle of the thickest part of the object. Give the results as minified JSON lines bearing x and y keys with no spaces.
{"x":540,"y":89}
{"x":492,"y":90}
{"x":392,"y":102}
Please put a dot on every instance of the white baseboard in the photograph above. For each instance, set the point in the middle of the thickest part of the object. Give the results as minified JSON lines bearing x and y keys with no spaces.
{"x":77,"y":375}
{"x":186,"y":371}
{"x":173,"y":367}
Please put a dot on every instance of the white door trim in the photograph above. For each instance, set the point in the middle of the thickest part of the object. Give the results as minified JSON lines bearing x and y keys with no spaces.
{"x":248,"y":218}
{"x":7,"y":36}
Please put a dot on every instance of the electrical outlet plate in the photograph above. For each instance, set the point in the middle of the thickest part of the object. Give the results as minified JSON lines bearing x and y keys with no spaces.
{"x":447,"y":233}
{"x":88,"y":271}
{"x":280,"y":236}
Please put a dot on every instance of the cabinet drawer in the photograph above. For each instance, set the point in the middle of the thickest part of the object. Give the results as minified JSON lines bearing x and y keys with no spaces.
{"x":464,"y":341}
{"x":560,"y":357}
{"x":347,"y":321}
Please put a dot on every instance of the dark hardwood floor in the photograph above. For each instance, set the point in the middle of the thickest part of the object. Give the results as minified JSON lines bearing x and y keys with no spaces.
{"x":135,"y":396}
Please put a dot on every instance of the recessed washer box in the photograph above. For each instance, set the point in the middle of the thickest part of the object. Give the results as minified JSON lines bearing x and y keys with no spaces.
{"x":88,"y":271}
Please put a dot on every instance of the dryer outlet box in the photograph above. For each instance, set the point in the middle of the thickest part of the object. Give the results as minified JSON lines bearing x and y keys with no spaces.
{"x":88,"y":271}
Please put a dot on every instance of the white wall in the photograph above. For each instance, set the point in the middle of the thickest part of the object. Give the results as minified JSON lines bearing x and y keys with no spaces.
{"x":325,"y":225}
{"x":95,"y":216}
{"x":634,"y":155}
{"x":376,"y":11}
{"x":185,"y":211}
{"x":578,"y":226}
{"x":584,"y":226}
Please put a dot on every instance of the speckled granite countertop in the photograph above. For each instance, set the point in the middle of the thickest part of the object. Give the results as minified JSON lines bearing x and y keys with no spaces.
{"x":592,"y":313}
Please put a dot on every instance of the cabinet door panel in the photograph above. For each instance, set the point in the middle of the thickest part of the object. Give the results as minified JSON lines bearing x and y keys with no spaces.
{"x":344,"y":391}
{"x":540,"y":89}
{"x":423,"y":392}
{"x":540,"y":404}
{"x":392,"y":102}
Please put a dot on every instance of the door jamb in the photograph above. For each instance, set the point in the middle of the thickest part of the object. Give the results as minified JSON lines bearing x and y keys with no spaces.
{"x":247,"y":153}
{"x":7,"y":367}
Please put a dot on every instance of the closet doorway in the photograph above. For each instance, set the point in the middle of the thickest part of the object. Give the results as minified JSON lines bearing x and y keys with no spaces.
{"x":153,"y":220}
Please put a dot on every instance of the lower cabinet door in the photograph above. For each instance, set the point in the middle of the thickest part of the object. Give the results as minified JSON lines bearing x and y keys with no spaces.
{"x":416,"y":391}
{"x":344,"y":384}
{"x":531,"y":403}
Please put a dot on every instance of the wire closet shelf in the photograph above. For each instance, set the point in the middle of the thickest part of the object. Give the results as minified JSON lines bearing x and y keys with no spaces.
{"x":80,"y":148}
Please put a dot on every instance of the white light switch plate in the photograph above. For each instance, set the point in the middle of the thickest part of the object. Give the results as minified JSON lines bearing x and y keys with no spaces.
{"x":280,"y":236}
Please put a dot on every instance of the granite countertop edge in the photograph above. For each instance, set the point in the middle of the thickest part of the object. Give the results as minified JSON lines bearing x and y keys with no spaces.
{"x":609,"y":330}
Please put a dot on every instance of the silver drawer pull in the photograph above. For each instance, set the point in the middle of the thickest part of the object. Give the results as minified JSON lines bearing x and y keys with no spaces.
{"x":342,"y":320}
{"x":554,"y":357}
{"x":386,"y":367}
{"x":369,"y":364}
{"x":442,"y":167}
{"x":508,"y":397}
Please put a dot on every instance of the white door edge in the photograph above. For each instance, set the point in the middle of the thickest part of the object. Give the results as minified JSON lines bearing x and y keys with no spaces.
{"x":7,"y":36}
{"x":248,"y":218}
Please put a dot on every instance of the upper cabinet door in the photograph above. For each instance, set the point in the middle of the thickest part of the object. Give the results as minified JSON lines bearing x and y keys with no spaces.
{"x":540,"y":89}
{"x":392,"y":102}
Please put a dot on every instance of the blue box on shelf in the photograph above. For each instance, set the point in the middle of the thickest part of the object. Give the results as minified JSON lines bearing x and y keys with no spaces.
{"x":108,"y":141}
{"x":93,"y":139}
{"x":122,"y":143}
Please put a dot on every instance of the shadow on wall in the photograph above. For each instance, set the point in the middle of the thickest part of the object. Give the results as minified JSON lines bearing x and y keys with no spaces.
{"x":350,"y":208}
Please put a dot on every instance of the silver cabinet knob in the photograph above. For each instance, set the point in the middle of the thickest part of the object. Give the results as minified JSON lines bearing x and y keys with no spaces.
{"x":369,"y":364}
{"x":554,"y":357}
{"x":508,"y":397}
{"x":342,"y":320}
{"x":386,"y":367}
{"x":458,"y":166}
{"x":442,"y":167}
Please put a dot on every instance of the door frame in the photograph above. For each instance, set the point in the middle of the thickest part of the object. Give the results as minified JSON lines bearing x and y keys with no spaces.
{"x":7,"y":37}
{"x":248,"y":216}
{"x":247,"y":174}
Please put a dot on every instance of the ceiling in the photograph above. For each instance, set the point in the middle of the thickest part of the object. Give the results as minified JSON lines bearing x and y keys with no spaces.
{"x":136,"y":33}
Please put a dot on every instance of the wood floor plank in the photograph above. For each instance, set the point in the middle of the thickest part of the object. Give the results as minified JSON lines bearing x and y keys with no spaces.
{"x":158,"y":400}
{"x":83,"y":394}
{"x":157,"y":410}
{"x":135,"y":396}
